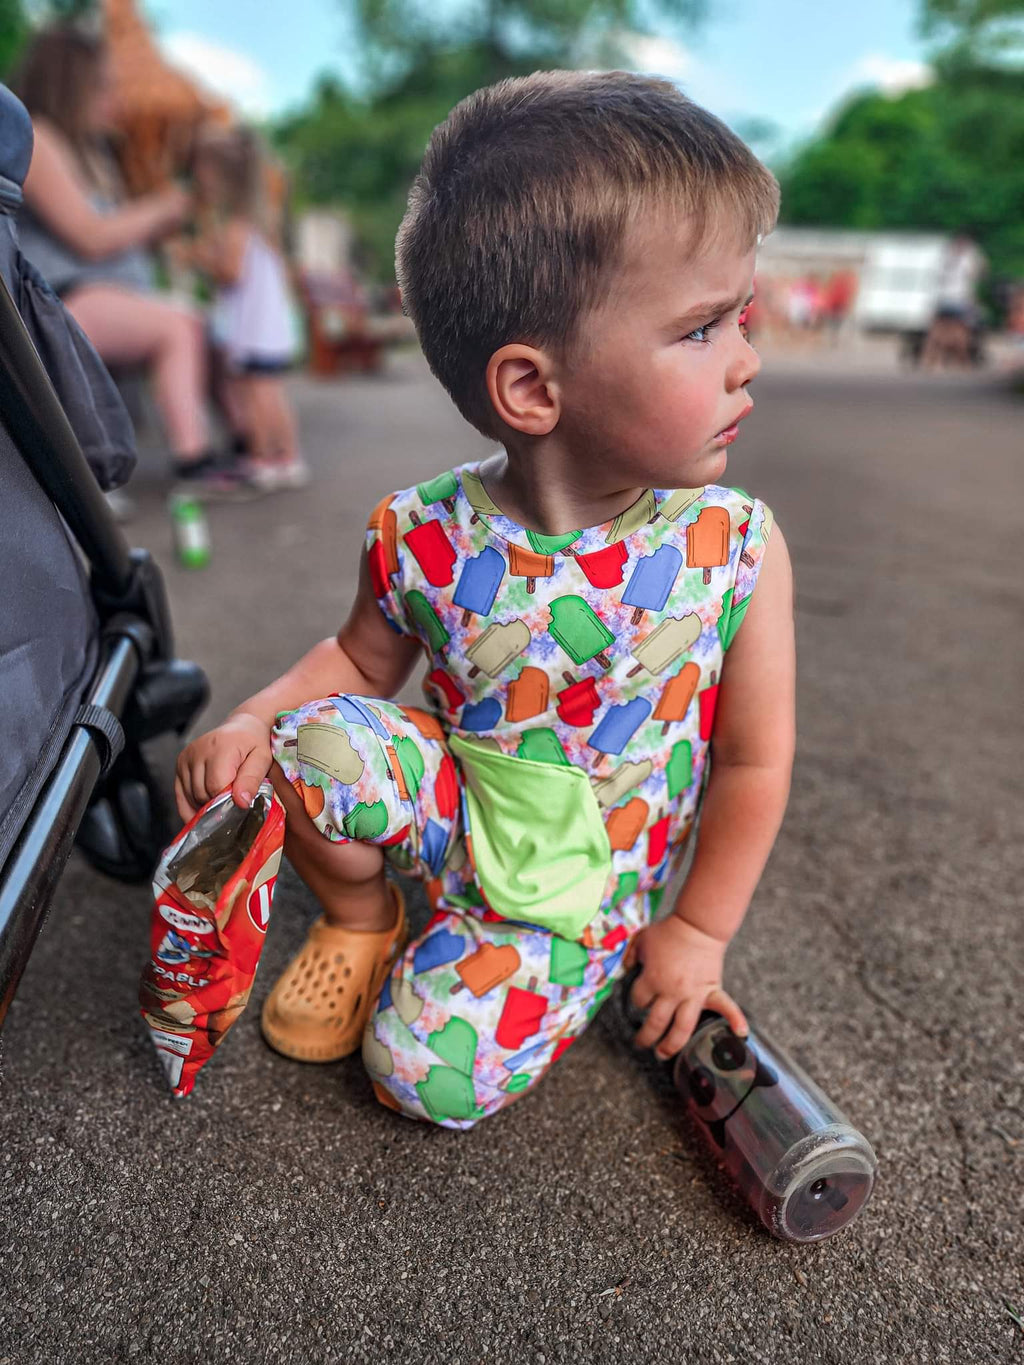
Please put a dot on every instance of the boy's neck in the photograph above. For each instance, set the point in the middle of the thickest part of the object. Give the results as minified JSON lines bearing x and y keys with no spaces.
{"x":544,"y":489}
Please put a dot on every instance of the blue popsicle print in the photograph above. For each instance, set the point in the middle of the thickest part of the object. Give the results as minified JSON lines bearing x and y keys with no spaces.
{"x":384,"y":999}
{"x":651,"y":581}
{"x":437,"y":949}
{"x":618,"y":725}
{"x":433,"y":846}
{"x":359,"y":714}
{"x":481,"y":715}
{"x":610,"y":964}
{"x":479,"y":582}
{"x":521,"y":1058}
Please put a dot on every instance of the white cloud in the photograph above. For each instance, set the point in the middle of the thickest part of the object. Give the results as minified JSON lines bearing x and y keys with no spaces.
{"x":891,"y":75}
{"x":657,"y":56}
{"x":221,"y":70}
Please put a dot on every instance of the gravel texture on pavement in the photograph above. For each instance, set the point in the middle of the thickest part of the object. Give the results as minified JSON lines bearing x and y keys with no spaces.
{"x":281,"y":1215}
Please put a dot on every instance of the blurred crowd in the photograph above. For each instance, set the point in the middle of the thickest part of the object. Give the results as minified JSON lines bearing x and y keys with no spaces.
{"x":188,"y":283}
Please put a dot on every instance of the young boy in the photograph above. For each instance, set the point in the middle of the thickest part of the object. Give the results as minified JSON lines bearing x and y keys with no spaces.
{"x":577,"y":256}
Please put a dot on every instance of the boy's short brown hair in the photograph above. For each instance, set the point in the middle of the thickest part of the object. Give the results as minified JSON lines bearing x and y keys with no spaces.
{"x":522,"y":203}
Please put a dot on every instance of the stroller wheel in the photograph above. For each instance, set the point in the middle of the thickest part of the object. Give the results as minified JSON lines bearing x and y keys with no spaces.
{"x":126,"y":827}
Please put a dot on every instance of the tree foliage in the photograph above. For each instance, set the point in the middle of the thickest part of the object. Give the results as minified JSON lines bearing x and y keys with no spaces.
{"x":361,"y":148}
{"x":948,"y":158}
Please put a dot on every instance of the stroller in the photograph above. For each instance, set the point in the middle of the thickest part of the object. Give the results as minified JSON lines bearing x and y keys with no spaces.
{"x":87,"y":667}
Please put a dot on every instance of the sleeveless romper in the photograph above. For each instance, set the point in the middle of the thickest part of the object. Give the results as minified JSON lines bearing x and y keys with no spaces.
{"x":547,"y":793}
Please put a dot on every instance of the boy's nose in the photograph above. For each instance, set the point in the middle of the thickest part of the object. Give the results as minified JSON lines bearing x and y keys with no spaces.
{"x":744,"y":366}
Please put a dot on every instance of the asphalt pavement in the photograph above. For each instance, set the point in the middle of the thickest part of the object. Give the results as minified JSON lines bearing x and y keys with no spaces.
{"x":281,"y":1215}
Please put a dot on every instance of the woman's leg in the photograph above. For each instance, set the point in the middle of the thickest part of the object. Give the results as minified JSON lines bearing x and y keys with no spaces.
{"x":276,"y":438}
{"x":129,"y":328}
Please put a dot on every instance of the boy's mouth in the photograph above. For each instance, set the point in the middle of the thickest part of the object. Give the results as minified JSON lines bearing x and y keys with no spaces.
{"x":727,"y":435}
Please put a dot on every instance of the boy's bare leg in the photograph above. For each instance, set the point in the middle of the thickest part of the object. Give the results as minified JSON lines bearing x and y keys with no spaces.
{"x":347,"y":879}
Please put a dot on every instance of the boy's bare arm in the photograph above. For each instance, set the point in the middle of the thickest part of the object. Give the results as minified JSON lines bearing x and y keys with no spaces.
{"x":751,"y":756}
{"x":752,"y":753}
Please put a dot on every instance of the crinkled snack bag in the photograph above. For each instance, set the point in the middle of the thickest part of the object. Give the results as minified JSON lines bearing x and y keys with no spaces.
{"x":214,"y":887}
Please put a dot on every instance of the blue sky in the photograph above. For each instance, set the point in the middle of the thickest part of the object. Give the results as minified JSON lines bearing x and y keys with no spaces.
{"x":784,"y":60}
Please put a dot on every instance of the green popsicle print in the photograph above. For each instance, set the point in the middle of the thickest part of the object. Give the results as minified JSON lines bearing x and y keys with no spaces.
{"x":448,"y":1094}
{"x":425,"y":615}
{"x":679,"y":769}
{"x":411,"y":759}
{"x":519,"y":1080}
{"x":625,"y":886}
{"x":543,"y":746}
{"x":550,"y":545}
{"x":581,"y":633}
{"x":444,"y":489}
{"x":568,"y":962}
{"x":366,"y":822}
{"x":731,"y":618}
{"x":455,"y":1044}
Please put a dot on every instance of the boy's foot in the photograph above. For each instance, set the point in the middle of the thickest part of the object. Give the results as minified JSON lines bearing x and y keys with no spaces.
{"x":214,"y":480}
{"x":318,"y":1009}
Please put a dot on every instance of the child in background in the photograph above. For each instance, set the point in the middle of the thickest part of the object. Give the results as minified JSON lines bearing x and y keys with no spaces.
{"x":585,"y":598}
{"x":252,"y":319}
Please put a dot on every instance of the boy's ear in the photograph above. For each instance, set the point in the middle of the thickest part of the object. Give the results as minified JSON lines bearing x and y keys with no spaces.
{"x":523,"y":389}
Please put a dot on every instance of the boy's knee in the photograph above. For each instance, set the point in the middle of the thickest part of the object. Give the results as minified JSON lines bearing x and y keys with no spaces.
{"x":445,"y":1096}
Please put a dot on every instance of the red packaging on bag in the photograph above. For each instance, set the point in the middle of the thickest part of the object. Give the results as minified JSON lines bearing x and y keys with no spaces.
{"x":214,"y":887}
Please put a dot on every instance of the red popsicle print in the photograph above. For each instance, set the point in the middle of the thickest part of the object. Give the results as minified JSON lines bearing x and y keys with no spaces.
{"x":708,"y":700}
{"x":578,"y":702}
{"x":446,"y":788}
{"x":377,"y":561}
{"x":603,"y":568}
{"x":657,"y":841}
{"x":453,"y":694}
{"x":434,"y":552}
{"x":521,"y":1016}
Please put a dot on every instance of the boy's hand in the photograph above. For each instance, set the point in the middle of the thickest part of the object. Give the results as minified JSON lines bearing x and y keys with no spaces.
{"x":236,"y":754}
{"x":681,"y":975}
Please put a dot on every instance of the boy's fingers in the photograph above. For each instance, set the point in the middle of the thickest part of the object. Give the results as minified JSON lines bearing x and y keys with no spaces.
{"x":184,"y":806}
{"x":199,"y":796}
{"x":727,"y":1007}
{"x":678,"y":1036}
{"x":658,"y":1019}
{"x":253,"y":770}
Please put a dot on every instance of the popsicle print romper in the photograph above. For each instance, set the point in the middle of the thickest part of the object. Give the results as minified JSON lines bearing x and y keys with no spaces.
{"x":547,"y":793}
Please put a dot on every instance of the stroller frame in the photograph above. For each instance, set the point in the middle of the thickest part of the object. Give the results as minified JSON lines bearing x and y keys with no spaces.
{"x":138,"y":690}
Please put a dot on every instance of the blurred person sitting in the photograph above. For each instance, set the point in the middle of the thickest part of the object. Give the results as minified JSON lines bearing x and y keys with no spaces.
{"x":838,"y":294}
{"x":952,"y":333}
{"x":91,"y":246}
{"x":253,"y":314}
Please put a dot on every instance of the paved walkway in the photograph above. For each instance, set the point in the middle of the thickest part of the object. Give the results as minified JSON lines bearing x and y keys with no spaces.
{"x":279,"y":1215}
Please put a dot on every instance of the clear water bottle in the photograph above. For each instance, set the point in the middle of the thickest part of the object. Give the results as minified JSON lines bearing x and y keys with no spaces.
{"x":794,"y":1156}
{"x":190,"y":530}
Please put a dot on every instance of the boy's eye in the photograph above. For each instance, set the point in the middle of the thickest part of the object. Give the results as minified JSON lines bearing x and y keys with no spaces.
{"x":700,"y":333}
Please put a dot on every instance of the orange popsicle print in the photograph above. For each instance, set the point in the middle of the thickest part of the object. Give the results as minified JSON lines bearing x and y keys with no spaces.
{"x":529,"y":565}
{"x":397,"y":776}
{"x":488,"y":967}
{"x":707,"y":541}
{"x":527,"y":695}
{"x":625,"y":823}
{"x":429,"y":726}
{"x":677,"y":695}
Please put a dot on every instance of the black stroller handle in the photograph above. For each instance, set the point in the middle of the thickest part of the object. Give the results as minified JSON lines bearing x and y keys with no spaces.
{"x":32,"y":414}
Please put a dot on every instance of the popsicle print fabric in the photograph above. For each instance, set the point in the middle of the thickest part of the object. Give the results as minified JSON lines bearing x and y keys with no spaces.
{"x":475,"y":1012}
{"x":602,"y":648}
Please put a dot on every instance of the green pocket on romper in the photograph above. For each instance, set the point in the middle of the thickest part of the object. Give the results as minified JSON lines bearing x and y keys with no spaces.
{"x":539,"y":843}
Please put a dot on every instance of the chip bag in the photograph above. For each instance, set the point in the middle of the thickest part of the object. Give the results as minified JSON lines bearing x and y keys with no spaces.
{"x":214,"y":887}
